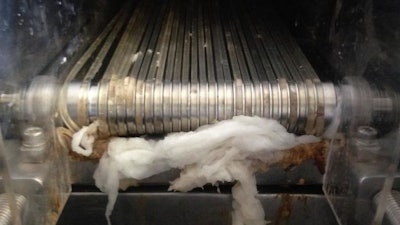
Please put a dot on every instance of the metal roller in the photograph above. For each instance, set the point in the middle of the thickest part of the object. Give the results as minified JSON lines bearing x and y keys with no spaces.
{"x":168,"y":107}
{"x":170,"y":66}
{"x":181,"y":64}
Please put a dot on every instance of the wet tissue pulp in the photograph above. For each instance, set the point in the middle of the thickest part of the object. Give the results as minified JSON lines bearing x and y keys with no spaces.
{"x":222,"y":152}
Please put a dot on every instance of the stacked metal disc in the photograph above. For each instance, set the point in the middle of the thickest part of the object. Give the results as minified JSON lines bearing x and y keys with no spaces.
{"x":168,"y":66}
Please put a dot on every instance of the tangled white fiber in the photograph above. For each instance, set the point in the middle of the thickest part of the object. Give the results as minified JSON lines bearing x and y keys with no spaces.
{"x":222,"y":152}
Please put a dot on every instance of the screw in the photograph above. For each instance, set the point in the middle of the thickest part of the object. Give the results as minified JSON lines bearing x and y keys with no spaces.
{"x":366,"y":132}
{"x":34,"y":145}
{"x":366,"y":143}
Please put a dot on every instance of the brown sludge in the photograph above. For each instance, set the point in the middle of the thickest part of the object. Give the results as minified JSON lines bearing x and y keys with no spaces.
{"x":99,"y":146}
{"x":313,"y":151}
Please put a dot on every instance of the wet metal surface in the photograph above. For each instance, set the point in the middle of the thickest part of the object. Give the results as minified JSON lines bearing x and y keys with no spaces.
{"x":141,"y":208}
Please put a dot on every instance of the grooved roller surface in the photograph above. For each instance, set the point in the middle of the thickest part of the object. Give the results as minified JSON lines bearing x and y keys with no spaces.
{"x":175,"y":65}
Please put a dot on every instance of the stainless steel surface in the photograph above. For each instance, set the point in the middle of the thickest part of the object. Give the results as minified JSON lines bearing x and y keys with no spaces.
{"x":155,"y":208}
{"x":301,"y":107}
{"x":190,"y":63}
{"x":367,"y":103}
{"x":5,"y":210}
{"x":189,"y":66}
{"x":38,"y":101}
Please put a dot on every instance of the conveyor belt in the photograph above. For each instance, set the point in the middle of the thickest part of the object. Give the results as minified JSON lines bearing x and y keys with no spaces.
{"x":175,"y":65}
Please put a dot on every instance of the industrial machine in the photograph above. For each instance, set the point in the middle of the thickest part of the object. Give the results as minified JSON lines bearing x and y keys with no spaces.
{"x":154,"y":67}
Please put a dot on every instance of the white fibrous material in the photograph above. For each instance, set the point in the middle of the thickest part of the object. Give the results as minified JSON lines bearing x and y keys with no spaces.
{"x":82,"y":141}
{"x":222,"y":152}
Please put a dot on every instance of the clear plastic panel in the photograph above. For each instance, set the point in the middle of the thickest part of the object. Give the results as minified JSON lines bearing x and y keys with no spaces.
{"x":363,"y":156}
{"x":38,"y":38}
{"x":34,"y":175}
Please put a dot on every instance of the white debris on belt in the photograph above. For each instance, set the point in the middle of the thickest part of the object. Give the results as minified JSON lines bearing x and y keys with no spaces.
{"x":222,"y":152}
{"x":136,"y":56}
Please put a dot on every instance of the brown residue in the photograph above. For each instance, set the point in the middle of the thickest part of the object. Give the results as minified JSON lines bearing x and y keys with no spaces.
{"x":302,"y":198}
{"x":292,"y":157}
{"x":99,"y":146}
{"x":314,"y":151}
{"x":284,"y":210}
{"x":301,"y":181}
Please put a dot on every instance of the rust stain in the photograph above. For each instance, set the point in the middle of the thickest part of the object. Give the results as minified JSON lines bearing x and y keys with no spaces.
{"x":99,"y":147}
{"x":56,"y":189}
{"x":302,"y":198}
{"x":297,"y":155}
{"x":141,"y":208}
{"x":284,"y":210}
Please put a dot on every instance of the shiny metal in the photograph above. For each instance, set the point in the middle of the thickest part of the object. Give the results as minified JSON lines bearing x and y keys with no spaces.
{"x":39,"y":100}
{"x":5,"y":211}
{"x":35,"y":143}
{"x":34,"y":103}
{"x":290,"y":103}
{"x":365,"y":104}
{"x":73,"y":98}
{"x":180,"y":65}
{"x":155,"y":106}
